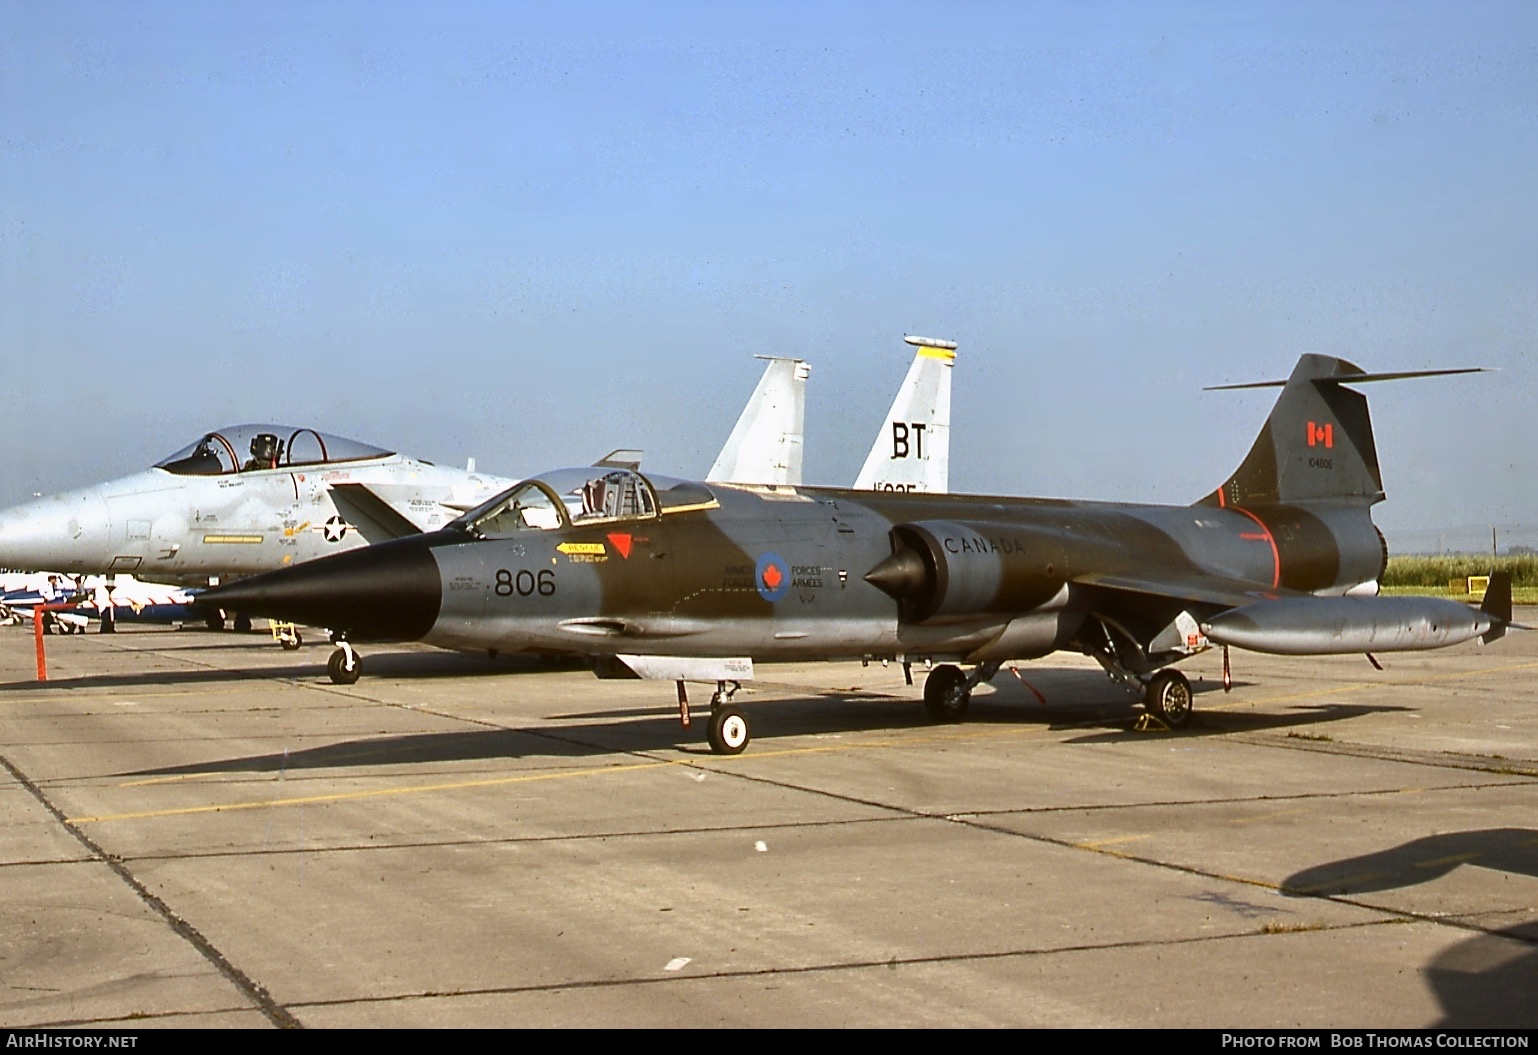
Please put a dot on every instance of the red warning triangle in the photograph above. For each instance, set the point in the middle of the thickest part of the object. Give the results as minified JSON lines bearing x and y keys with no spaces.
{"x":621,"y":543}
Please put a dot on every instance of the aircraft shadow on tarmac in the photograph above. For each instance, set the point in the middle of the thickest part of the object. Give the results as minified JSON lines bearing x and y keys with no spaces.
{"x":1080,"y":700}
{"x":1511,"y":850}
{"x":1484,"y":982}
{"x":402,"y":665}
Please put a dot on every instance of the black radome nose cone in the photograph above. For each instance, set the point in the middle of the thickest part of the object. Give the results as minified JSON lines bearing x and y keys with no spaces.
{"x":391,"y":591}
{"x":900,"y":576}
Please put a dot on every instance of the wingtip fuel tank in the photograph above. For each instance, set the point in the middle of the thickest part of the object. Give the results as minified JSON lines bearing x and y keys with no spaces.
{"x":1311,"y":626}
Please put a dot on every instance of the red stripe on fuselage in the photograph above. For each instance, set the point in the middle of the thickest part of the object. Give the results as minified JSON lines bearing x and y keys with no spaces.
{"x":1276,"y":558}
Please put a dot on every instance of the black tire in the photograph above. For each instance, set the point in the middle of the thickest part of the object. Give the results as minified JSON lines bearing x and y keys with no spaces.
{"x":215,"y":622}
{"x":292,"y":642}
{"x":242,"y":624}
{"x":1168,"y":698}
{"x":728,"y":731}
{"x":946,"y":694}
{"x":336,"y":666}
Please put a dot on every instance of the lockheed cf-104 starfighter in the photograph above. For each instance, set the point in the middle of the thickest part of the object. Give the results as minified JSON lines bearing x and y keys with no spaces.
{"x":691,"y":581}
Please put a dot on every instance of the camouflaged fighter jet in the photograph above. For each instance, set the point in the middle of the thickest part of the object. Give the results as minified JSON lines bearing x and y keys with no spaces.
{"x":690,"y":581}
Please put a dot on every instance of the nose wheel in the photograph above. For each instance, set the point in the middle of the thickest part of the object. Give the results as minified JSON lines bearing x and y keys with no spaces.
{"x":728,"y":731}
{"x":345,"y":666}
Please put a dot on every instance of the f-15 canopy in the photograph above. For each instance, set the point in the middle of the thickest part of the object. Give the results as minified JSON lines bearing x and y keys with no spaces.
{"x":249,"y":448}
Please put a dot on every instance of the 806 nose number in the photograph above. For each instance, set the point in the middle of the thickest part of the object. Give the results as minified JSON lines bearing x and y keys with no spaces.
{"x":524,"y":582}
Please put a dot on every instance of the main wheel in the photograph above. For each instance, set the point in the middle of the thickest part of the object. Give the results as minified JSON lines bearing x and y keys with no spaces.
{"x":728,"y":731}
{"x":1168,"y":698}
{"x":336,"y":666}
{"x":946,"y":694}
{"x":215,"y":621}
{"x":242,"y":624}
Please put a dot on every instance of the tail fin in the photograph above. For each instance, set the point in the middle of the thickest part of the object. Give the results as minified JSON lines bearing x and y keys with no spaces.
{"x":1497,"y":605}
{"x":1317,"y":444}
{"x":765,"y":445}
{"x":913,"y":449}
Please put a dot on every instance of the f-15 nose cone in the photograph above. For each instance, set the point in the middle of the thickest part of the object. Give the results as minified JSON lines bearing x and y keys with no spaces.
{"x":65,"y":532}
{"x":391,"y":591}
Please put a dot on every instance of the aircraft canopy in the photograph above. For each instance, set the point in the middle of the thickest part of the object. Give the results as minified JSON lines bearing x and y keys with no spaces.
{"x":575,"y":497}
{"x":250,"y":448}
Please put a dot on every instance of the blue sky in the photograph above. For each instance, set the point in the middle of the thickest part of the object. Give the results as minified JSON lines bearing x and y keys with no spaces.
{"x":532,"y":233}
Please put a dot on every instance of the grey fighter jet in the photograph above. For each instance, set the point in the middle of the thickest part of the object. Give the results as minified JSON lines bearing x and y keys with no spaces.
{"x":694,"y":581}
{"x":238,"y":501}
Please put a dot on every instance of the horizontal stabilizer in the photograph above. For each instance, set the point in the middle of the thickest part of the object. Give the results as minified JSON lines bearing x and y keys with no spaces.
{"x":371,"y":516}
{"x":1347,"y":377}
{"x":624,"y":458}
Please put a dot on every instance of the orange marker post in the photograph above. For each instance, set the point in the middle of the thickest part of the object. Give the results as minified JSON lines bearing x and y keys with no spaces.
{"x":37,"y":632}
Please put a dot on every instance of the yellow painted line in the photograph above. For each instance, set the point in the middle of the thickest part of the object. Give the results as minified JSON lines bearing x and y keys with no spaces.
{"x":1341,"y":883}
{"x":348,"y":796}
{"x":1257,"y":818}
{"x":81,"y":696}
{"x":1453,"y":859}
{"x":928,"y":352}
{"x":168,"y":780}
{"x":1101,"y":843}
{"x":243,"y":540}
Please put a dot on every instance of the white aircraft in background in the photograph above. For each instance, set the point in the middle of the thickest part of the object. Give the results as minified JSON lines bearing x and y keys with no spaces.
{"x":912,"y":448}
{"x":108,"y":600}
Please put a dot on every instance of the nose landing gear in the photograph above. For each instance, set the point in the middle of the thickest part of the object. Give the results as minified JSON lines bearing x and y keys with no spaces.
{"x":728,"y":730}
{"x":345,"y":666}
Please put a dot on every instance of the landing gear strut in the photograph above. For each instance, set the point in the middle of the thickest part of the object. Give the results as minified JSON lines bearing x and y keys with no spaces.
{"x":345,"y":666}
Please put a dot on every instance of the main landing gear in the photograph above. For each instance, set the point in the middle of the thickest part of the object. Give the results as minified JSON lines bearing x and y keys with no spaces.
{"x":1165,"y":693}
{"x":948,"y":690}
{"x":1168,"y":698}
{"x":345,"y":666}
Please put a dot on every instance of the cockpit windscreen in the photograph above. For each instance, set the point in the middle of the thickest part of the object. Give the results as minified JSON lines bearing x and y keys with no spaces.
{"x":250,"y":448}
